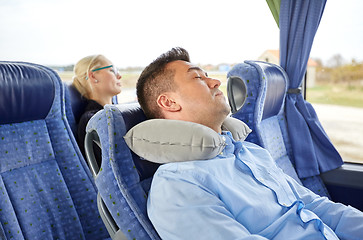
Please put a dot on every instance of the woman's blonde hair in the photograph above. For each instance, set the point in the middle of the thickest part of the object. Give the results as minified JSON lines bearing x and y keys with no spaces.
{"x":81,"y":70}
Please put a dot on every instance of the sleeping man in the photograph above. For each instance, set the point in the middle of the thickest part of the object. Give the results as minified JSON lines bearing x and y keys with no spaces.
{"x":239,"y":193}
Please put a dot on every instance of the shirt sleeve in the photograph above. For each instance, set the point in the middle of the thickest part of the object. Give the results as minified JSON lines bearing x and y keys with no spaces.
{"x":345,"y":221}
{"x":182,"y":209}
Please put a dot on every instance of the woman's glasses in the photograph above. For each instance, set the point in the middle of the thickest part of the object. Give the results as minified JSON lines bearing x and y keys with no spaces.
{"x":114,"y":69}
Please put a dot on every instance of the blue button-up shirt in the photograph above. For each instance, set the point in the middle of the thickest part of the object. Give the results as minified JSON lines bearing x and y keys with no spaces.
{"x":242,"y":194}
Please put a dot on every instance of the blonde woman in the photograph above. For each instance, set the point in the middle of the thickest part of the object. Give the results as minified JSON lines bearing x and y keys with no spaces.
{"x":97,"y":80}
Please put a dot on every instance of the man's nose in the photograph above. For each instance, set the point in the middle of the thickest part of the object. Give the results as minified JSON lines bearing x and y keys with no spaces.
{"x":213,"y":83}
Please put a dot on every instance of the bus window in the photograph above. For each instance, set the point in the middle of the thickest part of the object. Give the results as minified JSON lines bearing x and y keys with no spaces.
{"x":337,"y":90}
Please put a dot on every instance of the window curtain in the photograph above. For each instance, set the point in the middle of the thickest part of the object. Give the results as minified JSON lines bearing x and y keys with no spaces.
{"x":312,"y":149}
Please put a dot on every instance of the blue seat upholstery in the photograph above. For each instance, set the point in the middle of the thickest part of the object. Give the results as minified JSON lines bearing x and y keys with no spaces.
{"x":46,"y":189}
{"x":264,"y":86}
{"x":123,"y":179}
{"x":77,"y":102}
{"x":75,"y":105}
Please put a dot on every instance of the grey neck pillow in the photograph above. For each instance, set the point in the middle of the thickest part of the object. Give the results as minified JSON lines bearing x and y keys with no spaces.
{"x":164,"y":140}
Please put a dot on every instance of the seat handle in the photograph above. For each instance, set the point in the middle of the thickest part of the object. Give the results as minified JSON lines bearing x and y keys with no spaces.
{"x":92,"y":137}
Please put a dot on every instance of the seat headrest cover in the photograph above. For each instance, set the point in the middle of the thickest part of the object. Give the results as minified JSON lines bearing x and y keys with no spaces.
{"x":163,"y":140}
{"x":275,"y":92}
{"x":26,"y":92}
{"x":276,"y":82}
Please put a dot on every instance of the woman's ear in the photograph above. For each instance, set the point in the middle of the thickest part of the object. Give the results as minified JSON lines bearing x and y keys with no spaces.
{"x":91,"y":78}
{"x":167,"y":103}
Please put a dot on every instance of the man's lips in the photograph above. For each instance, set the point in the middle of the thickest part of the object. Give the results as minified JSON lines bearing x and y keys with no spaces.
{"x":218,"y":93}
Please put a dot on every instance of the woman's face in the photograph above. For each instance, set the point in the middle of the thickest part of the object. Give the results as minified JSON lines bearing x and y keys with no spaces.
{"x":107,"y":78}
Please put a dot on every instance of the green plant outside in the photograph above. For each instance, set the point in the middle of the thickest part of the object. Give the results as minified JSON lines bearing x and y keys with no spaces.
{"x":337,"y":94}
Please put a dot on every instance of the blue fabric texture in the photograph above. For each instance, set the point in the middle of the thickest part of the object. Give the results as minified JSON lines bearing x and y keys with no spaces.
{"x":25,"y":105}
{"x":118,"y":180}
{"x":46,"y":190}
{"x":242,"y":194}
{"x":312,"y":149}
{"x":249,"y":113}
{"x":69,"y":111}
{"x":266,"y":90}
{"x":266,"y":121}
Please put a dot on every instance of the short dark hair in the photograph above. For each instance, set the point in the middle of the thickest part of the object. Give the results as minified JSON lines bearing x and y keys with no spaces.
{"x":156,"y":79}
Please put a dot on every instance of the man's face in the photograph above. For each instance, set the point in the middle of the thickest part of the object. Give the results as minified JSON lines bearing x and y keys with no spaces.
{"x":198,"y":95}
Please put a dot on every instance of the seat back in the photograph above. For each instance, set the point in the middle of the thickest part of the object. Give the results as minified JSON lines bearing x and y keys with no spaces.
{"x":47,"y":189}
{"x":123,"y":179}
{"x":75,"y":105}
{"x":77,"y":102}
{"x":265,"y":86}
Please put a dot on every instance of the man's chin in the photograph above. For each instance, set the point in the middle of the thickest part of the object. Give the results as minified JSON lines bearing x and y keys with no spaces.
{"x":227,"y":110}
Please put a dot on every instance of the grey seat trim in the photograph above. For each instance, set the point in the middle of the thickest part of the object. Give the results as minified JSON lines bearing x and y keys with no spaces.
{"x":236,"y":92}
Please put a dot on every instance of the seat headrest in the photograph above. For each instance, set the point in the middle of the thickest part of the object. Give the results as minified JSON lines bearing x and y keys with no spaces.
{"x":261,"y":85}
{"x":276,"y":87}
{"x":78,"y":102}
{"x":26,"y":92}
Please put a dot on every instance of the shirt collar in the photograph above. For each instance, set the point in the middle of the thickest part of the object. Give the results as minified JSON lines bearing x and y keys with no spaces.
{"x":227,"y":136}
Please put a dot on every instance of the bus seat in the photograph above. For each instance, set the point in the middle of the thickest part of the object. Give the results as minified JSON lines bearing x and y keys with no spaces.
{"x":77,"y":102}
{"x":123,"y":179}
{"x":75,"y":105}
{"x":256,"y":92}
{"x":2,"y":232}
{"x":47,"y":191}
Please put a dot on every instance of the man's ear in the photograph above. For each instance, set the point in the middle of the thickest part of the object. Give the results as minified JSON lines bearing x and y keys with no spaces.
{"x":167,"y":103}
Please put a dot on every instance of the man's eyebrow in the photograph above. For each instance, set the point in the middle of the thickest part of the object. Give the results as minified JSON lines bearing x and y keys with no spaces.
{"x":198,"y":69}
{"x":194,"y":68}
